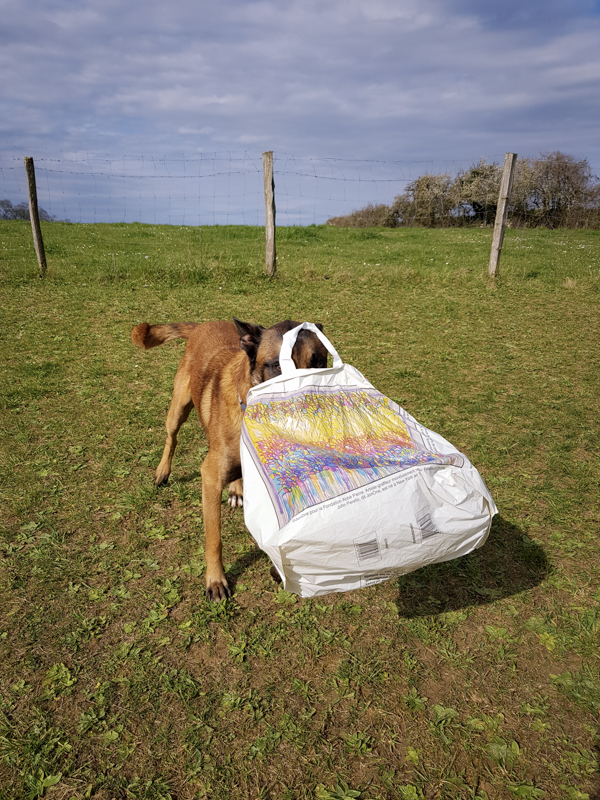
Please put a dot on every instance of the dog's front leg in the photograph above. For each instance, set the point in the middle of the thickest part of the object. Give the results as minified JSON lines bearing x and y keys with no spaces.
{"x":212,"y":487}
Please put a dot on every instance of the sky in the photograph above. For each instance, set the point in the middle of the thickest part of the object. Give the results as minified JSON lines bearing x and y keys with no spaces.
{"x":159,"y":111}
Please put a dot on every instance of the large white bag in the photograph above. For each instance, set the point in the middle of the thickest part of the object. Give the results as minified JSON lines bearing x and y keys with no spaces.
{"x":343,"y":489}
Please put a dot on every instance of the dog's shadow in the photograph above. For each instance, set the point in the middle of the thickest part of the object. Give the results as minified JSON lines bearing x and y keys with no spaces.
{"x":507,"y":564}
{"x":243,"y":563}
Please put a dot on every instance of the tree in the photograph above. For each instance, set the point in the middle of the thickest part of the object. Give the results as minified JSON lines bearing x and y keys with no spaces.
{"x":562,"y":189}
{"x":550,"y":191}
{"x":477,"y":190}
{"x":427,"y":202}
{"x":21,"y":211}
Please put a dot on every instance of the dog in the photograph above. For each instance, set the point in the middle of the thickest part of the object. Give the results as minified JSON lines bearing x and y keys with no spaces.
{"x":221,"y":362}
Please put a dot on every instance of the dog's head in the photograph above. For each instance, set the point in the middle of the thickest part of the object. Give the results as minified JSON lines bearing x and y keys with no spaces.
{"x":262,"y":346}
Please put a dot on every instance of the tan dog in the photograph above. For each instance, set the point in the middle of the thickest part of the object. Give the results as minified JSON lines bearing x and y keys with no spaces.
{"x":222,"y":361}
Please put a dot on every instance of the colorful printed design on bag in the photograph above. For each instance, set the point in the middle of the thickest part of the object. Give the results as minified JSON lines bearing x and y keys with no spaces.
{"x":314,"y":446}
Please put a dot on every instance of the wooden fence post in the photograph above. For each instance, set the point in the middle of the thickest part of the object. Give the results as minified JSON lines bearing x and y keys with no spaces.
{"x":34,"y":216}
{"x":271,"y":260}
{"x":502,"y":212}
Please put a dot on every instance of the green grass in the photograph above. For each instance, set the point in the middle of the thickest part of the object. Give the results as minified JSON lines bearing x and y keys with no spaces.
{"x":478,"y":678}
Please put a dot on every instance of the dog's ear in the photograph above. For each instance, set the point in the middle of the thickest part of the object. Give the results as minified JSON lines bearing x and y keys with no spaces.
{"x":250,"y":336}
{"x":319,"y":326}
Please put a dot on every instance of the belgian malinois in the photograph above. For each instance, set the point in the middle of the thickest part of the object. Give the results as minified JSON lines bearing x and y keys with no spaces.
{"x":222,"y":361}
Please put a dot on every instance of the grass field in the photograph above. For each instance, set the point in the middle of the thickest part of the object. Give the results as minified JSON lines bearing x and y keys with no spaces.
{"x":474,"y":679}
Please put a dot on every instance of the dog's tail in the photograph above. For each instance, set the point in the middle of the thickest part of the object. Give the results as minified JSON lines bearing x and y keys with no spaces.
{"x":147,"y":336}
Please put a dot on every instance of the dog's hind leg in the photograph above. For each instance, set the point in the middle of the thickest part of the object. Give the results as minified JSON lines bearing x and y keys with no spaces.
{"x":236,"y":494}
{"x":181,"y":405}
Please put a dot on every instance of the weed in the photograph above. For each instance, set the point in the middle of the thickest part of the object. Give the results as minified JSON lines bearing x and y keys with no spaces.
{"x":359,"y":743}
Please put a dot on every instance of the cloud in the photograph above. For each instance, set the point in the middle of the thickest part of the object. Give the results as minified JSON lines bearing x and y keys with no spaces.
{"x":394,"y":79}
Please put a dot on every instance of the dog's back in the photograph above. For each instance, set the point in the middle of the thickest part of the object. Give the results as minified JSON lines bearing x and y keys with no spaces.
{"x":148,"y":336}
{"x":203,"y":340}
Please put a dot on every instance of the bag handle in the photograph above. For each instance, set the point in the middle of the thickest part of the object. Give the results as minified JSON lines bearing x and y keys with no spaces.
{"x":289,"y":340}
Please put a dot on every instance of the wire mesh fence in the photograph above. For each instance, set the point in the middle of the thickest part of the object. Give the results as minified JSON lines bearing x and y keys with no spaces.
{"x":215,"y":189}
{"x":212,"y":188}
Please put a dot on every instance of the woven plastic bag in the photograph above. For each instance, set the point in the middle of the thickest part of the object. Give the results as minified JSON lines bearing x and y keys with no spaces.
{"x":343,"y":489}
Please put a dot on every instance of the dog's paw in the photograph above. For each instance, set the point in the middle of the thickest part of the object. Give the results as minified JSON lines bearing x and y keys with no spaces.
{"x":236,"y":494}
{"x":217,"y":591}
{"x":160,"y":477}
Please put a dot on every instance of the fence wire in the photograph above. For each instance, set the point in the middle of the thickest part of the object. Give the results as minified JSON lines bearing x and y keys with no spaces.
{"x":227,"y":189}
{"x":209,"y":189}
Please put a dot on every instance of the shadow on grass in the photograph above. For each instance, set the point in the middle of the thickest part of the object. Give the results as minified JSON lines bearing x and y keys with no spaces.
{"x":595,"y":795}
{"x":507,"y":564}
{"x":243,"y":563}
